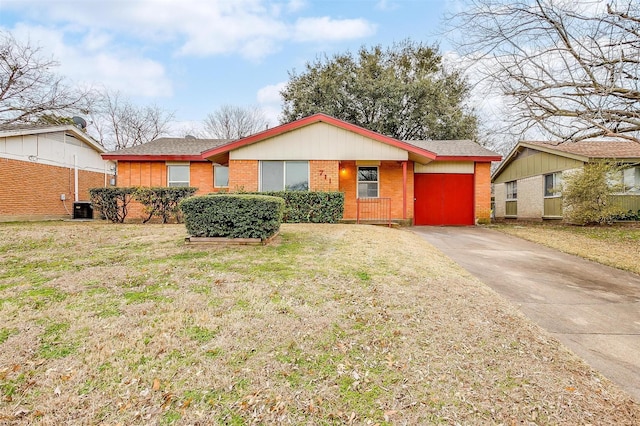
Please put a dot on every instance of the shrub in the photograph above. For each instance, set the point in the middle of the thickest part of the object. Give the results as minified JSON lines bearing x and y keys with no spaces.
{"x":310,"y":207}
{"x":163,"y":201}
{"x":232,"y":215}
{"x":111,"y":202}
{"x":587,"y":194}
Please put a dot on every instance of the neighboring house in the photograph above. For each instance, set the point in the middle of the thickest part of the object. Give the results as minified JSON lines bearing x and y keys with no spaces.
{"x":421,"y":182}
{"x":45,"y":169}
{"x":527,"y":183}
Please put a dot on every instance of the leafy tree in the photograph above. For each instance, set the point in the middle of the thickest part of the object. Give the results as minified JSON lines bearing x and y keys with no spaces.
{"x":122,"y":124}
{"x":29,"y":89}
{"x":568,"y":69}
{"x":233,"y":122}
{"x":403,"y":91}
{"x":587,"y":194}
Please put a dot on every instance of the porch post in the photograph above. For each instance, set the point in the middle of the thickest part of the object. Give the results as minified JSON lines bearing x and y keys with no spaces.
{"x":404,"y":190}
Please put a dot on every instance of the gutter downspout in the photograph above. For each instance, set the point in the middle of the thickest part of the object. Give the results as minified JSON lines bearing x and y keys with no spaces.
{"x":404,"y":190}
{"x":75,"y":176}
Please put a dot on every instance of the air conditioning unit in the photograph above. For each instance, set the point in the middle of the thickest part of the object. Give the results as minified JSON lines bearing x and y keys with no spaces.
{"x":82,"y":210}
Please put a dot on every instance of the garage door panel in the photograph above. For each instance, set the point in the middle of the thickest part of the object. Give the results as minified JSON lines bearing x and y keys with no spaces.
{"x":444,"y":199}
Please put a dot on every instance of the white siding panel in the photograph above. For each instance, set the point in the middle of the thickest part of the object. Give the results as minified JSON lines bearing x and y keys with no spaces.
{"x":52,"y":150}
{"x":445,"y":167}
{"x":319,"y":141}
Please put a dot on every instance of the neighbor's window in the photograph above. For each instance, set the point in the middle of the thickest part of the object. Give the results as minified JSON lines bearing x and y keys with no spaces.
{"x":512,"y":190}
{"x":178,"y":175}
{"x":284,"y":175}
{"x":220,"y":176}
{"x":631,"y":179}
{"x":552,"y":183}
{"x":368,"y":183}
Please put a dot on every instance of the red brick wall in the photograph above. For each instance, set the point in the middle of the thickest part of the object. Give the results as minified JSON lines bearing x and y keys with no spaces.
{"x":483,"y":192}
{"x":201,"y":176}
{"x":32,"y":190}
{"x":243,"y":175}
{"x":154,"y":173}
{"x":324,"y":175}
{"x":142,"y":173}
{"x":390,"y":186}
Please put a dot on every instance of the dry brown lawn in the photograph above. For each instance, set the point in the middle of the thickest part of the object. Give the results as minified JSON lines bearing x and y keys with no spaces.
{"x":331,"y":324}
{"x":617,"y":246}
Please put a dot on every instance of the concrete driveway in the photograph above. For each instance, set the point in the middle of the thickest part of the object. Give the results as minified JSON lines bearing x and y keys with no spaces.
{"x":594,"y":310}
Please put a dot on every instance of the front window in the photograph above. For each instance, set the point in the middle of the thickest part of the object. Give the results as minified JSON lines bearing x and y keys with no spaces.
{"x":220,"y":176}
{"x":512,"y":190}
{"x":631,"y":179}
{"x":178,"y":175}
{"x":284,"y":175}
{"x":368,"y":183}
{"x":552,"y":183}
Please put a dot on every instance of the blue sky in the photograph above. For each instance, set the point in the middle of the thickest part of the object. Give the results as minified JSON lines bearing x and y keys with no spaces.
{"x":192,"y":56}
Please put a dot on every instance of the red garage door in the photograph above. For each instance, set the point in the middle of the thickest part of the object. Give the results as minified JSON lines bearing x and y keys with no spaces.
{"x":444,"y":199}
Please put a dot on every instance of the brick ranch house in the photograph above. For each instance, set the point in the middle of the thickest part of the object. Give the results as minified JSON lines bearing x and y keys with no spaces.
{"x":527,"y":184}
{"x":41,"y":165}
{"x":419,"y":182}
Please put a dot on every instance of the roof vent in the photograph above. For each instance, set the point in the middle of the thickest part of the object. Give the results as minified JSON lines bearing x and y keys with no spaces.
{"x":190,"y":137}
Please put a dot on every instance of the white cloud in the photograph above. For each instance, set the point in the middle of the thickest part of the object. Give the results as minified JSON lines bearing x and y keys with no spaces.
{"x":93,"y":61}
{"x":296,"y":5}
{"x":252,"y":28}
{"x":327,"y":29}
{"x":270,"y":93}
{"x":270,"y":102}
{"x":386,"y":5}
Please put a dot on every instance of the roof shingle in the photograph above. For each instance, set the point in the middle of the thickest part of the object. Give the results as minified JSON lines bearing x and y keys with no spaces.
{"x":172,"y":146}
{"x":464,"y":148}
{"x":595,"y":149}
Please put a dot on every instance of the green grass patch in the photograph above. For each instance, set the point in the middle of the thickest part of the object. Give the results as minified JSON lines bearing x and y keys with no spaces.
{"x":55,"y":342}
{"x":148,"y":294}
{"x":200,"y":334}
{"x":5,"y":333}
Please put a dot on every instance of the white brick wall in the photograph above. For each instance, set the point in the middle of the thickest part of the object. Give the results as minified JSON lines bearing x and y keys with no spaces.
{"x":500,"y":194}
{"x":531,"y":197}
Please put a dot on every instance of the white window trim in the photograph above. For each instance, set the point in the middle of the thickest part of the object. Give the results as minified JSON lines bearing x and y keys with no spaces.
{"x":506,"y":187}
{"x":635,"y":189}
{"x":368,"y":181}
{"x":214,"y":177}
{"x":176,"y":163}
{"x":284,"y":174}
{"x":544,"y":185}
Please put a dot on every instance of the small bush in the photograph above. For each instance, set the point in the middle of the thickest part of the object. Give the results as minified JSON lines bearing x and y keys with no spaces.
{"x":310,"y":207}
{"x":630,"y":215}
{"x":232,"y":215}
{"x":111,"y":203}
{"x":163,"y":202}
{"x":588,"y":194}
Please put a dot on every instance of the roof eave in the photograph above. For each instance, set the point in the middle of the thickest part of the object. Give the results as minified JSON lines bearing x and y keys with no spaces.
{"x":550,"y":150}
{"x":151,"y":157}
{"x":51,"y":129}
{"x":474,"y":158}
{"x":312,"y":119}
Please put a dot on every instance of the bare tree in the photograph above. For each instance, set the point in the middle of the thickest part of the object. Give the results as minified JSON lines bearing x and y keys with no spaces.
{"x":569,"y":69}
{"x":28,"y":87}
{"x":233,"y":122}
{"x":121,"y":124}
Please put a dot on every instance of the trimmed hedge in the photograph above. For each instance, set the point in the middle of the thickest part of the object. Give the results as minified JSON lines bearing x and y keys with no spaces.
{"x":232,"y":215}
{"x":310,"y":207}
{"x":111,"y":203}
{"x":163,"y":202}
